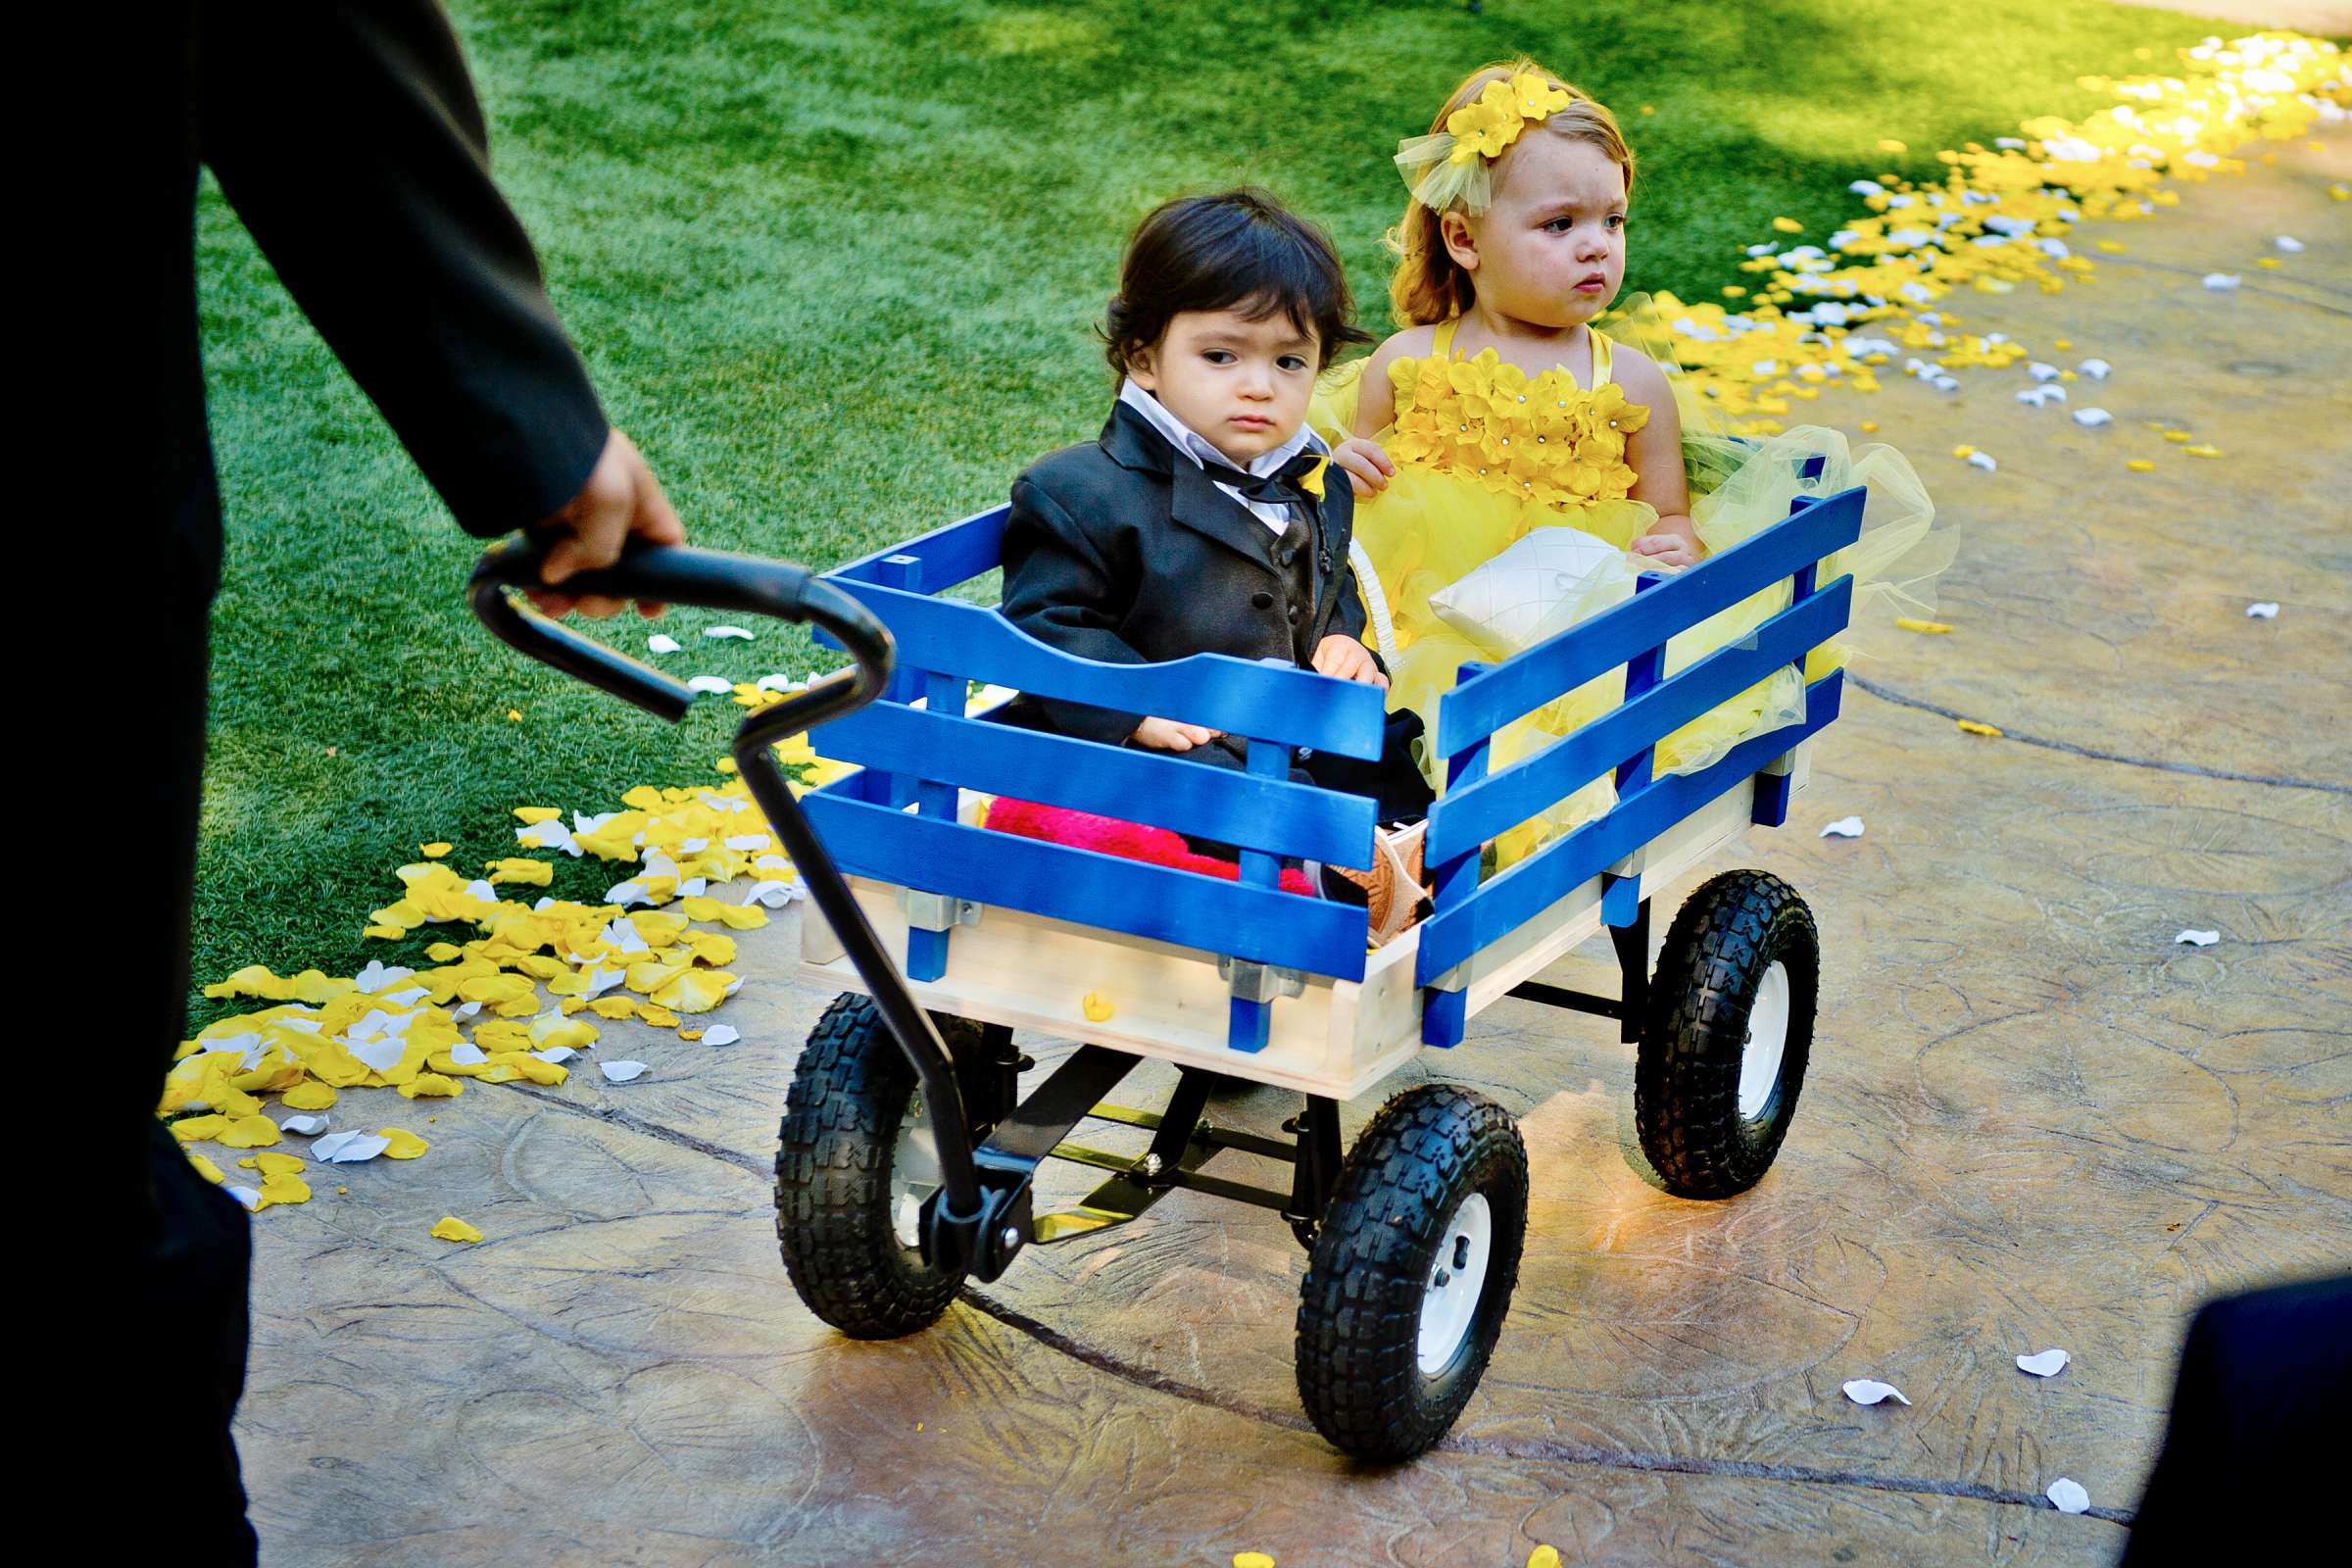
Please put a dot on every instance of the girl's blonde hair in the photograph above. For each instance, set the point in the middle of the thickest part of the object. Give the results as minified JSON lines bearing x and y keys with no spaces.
{"x":1429,"y":284}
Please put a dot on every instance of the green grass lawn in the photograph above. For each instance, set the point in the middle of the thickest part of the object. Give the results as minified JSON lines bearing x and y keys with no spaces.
{"x":834,"y":267}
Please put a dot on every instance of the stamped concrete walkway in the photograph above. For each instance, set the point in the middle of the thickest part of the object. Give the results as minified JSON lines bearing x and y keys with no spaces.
{"x":2032,"y":1120}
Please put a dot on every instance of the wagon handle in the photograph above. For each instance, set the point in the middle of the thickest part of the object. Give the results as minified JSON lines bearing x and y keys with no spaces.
{"x":714,"y":580}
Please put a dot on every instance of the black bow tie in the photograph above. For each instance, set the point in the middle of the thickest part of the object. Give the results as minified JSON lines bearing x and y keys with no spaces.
{"x":1283,"y":487}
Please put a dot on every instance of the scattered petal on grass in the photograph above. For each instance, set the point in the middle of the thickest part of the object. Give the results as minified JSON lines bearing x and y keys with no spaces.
{"x":710,"y":683}
{"x":450,"y":1228}
{"x":1787,"y":226}
{"x":621,"y":1072}
{"x":2197,"y":939}
{"x":2265,"y":611}
{"x":513,"y":715}
{"x":727,"y":632}
{"x":2067,"y":1497}
{"x":434,"y":851}
{"x":2093,"y":417}
{"x":1846,"y":827}
{"x":1926,"y":628}
{"x":662,"y":642}
{"x":349,"y":1148}
{"x":1970,"y":727}
{"x":2220,"y":282}
{"x":1870,"y":1391}
{"x":2048,"y":1364}
{"x":721,"y":1034}
{"x":1096,"y":1007}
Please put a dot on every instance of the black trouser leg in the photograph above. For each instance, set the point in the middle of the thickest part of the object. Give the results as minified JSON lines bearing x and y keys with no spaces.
{"x":179,"y":1250}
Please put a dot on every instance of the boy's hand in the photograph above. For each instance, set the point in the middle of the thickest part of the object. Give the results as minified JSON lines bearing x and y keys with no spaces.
{"x":1166,"y":735}
{"x":1368,"y":468}
{"x":1665,"y":550}
{"x":620,"y":499}
{"x":1348,"y":660}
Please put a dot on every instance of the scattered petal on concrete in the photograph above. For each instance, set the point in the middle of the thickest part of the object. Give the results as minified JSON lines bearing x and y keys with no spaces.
{"x":621,"y":1072}
{"x":2093,"y":417}
{"x":2096,"y":369}
{"x":349,"y":1148}
{"x":2220,"y":282}
{"x":308,"y":1126}
{"x":250,"y":1196}
{"x":1982,"y":460}
{"x":2067,"y":1497}
{"x":2289,"y":243}
{"x":450,"y":1228}
{"x":2042,"y":373}
{"x":1846,"y":827}
{"x":2048,"y":1364}
{"x":2197,"y":939}
{"x":721,"y":1034}
{"x":2266,"y":609}
{"x":1870,"y":1391}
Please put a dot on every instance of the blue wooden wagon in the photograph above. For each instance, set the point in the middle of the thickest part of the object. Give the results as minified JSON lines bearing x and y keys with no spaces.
{"x":909,"y":1149}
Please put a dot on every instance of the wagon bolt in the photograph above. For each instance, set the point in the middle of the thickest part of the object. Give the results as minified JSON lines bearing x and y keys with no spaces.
{"x":1150,"y":1165}
{"x":1441,"y":1280}
{"x":1010,"y":1236}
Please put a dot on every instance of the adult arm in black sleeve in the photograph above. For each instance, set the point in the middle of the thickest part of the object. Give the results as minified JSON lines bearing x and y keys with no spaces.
{"x":1061,"y":590}
{"x":347,"y":136}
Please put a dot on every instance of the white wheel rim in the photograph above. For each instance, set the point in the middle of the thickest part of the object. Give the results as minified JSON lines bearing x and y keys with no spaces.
{"x":913,"y":1173}
{"x":1767,"y":1041}
{"x":1457,"y":1278}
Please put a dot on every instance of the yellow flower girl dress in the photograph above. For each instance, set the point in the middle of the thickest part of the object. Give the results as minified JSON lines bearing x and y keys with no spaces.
{"x":1486,"y":454}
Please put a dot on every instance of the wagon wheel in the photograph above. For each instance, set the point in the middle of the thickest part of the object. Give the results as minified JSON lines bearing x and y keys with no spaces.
{"x":1723,"y":1053}
{"x":1412,"y":1272}
{"x":855,"y":1160}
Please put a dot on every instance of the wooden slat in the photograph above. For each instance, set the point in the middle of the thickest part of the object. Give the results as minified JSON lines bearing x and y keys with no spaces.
{"x":1495,"y":805}
{"x":1203,"y":912}
{"x":1477,"y":708}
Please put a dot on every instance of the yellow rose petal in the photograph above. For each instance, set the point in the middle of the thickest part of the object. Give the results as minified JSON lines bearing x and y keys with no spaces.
{"x":513,"y":715}
{"x":1931,"y":628}
{"x":521,"y":869}
{"x":2062,"y":343}
{"x":1543,"y":1557}
{"x":1251,"y":1560}
{"x":2140,"y":466}
{"x":1787,"y":226}
{"x":2113,"y":247}
{"x":533,"y":815}
{"x":206,"y":1169}
{"x":2176,"y":435}
{"x":658,"y":1017}
{"x":613,"y":1006}
{"x":450,"y":1228}
{"x":434,"y":851}
{"x":1096,"y":1007}
{"x":1971,"y":727}
{"x":283,"y":1189}
{"x":273,"y":1164}
{"x":432,"y":1084}
{"x":404,"y":1145}
{"x":309,"y":1095}
{"x":255,"y":1131}
{"x":1963,"y":451}
{"x":2202,"y":452}
{"x":1870,"y":427}
{"x":1891,"y":145}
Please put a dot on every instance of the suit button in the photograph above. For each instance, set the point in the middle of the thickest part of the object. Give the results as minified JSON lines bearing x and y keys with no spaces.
{"x":1294,"y":615}
{"x":1261,"y":600}
{"x":1284,"y":557}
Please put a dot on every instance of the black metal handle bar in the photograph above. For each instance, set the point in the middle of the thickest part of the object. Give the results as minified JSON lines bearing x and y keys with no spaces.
{"x":714,"y":580}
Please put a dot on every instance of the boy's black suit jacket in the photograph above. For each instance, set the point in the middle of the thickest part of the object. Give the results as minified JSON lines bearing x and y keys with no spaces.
{"x":1124,"y":551}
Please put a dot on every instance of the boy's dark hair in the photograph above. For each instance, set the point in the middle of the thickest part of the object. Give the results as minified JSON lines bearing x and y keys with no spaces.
{"x":1212,"y":253}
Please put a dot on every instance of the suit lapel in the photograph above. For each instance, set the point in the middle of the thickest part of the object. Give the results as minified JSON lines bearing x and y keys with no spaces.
{"x":1196,"y":503}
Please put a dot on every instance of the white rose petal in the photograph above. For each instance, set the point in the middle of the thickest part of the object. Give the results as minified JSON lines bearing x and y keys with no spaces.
{"x":715,"y":684}
{"x":662,"y":642}
{"x":774,"y":894}
{"x":1870,"y":1391}
{"x":621,"y":1072}
{"x":2289,"y":243}
{"x":721,"y":1034}
{"x":349,"y":1148}
{"x":1982,"y":460}
{"x":2093,"y":417}
{"x":556,"y":1053}
{"x":2048,"y":1364}
{"x":250,"y":1196}
{"x":2096,"y":369}
{"x":1846,"y":827}
{"x":2042,"y":373}
{"x":465,"y":1053}
{"x":307,"y":1126}
{"x":2197,"y":939}
{"x":2067,"y":1497}
{"x":2220,"y":282}
{"x":727,"y":632}
{"x":2268,"y":610}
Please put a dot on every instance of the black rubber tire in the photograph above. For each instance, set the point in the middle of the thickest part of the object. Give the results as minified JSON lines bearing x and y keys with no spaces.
{"x":842,"y":1115}
{"x":1359,"y":1309}
{"x":1686,"y":1074}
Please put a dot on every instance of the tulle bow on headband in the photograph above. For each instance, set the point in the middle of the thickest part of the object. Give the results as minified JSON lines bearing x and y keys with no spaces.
{"x":1453,"y":165}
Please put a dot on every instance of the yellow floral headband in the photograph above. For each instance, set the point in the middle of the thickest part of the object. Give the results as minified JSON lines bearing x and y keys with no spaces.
{"x":1453,"y":165}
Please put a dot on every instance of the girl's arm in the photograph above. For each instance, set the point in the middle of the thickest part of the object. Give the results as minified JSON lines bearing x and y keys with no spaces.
{"x":1655,"y":454}
{"x":1367,"y":467}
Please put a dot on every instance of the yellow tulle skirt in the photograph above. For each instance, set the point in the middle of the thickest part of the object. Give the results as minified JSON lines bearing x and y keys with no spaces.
{"x":1430,"y":528}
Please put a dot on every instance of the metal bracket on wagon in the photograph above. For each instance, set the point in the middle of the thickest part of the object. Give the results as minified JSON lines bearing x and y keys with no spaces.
{"x":937,"y":911}
{"x":1258,"y":982}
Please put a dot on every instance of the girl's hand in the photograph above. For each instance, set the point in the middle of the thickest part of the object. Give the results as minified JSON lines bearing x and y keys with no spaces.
{"x":1368,"y":468}
{"x":1166,"y":735}
{"x":1348,"y":660}
{"x":1669,"y":550}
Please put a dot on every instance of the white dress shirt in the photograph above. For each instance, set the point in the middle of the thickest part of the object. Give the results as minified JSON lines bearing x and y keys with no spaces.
{"x":1275,"y":515}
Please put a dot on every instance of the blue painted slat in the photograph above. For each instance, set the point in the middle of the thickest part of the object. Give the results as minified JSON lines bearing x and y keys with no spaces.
{"x":1535,"y":884}
{"x":1521,"y":684}
{"x":1263,"y":700}
{"x":1183,"y":908}
{"x":1484,"y":811}
{"x":1445,"y":1014}
{"x":1212,"y":803}
{"x":954,"y":554}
